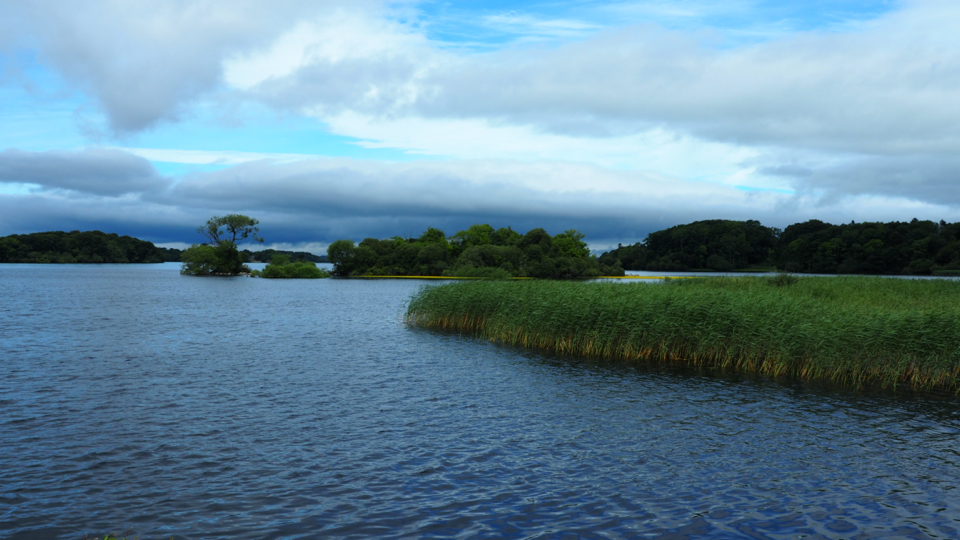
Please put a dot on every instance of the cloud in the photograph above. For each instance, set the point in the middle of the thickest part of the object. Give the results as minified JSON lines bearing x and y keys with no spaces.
{"x":617,"y":131}
{"x":95,"y":171}
{"x":891,"y":87}
{"x":927,"y":178}
{"x":313,"y":202}
{"x":144,"y":62}
{"x":888,"y":86}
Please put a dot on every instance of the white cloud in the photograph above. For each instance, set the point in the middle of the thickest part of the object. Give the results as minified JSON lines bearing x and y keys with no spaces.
{"x":530,"y":27}
{"x":145,"y":61}
{"x":655,"y":150}
{"x":210,"y":157}
{"x":333,"y":36}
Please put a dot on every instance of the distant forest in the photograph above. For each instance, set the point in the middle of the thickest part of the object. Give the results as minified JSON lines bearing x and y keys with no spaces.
{"x":95,"y":247}
{"x":917,"y":247}
{"x":77,"y":247}
{"x":479,"y":251}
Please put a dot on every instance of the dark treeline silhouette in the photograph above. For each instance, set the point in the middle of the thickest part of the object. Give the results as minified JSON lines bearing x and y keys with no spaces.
{"x":77,"y":247}
{"x":479,"y":251}
{"x":99,"y":247}
{"x":703,"y":245}
{"x":264,"y":255}
{"x":917,"y":247}
{"x":267,"y":255}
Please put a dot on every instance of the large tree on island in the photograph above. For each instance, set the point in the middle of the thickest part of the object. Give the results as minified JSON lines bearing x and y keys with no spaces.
{"x":230,"y":228}
{"x":220,"y":257}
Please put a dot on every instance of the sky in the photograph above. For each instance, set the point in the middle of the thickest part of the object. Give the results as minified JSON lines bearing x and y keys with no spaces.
{"x":365,"y":118}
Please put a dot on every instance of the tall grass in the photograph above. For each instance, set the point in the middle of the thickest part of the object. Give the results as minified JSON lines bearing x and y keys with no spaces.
{"x":853,"y":330}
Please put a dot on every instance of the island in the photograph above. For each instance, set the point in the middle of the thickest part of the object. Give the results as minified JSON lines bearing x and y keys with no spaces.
{"x":480,"y":251}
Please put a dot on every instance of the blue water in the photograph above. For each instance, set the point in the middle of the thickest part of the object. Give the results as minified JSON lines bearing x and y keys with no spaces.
{"x":133,"y":398}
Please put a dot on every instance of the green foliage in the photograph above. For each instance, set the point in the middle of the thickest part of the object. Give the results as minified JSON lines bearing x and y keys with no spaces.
{"x":855,"y":330}
{"x":917,"y":247}
{"x":230,"y":228}
{"x":199,"y":260}
{"x":266,"y":255}
{"x":482,"y":272}
{"x":479,"y":251}
{"x":718,"y":245}
{"x":283,"y":268}
{"x":77,"y":247}
{"x":170,"y":254}
{"x":342,"y":253}
{"x":220,"y":260}
{"x":783,"y":279}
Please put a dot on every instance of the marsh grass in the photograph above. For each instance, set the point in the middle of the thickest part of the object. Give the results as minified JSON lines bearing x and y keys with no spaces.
{"x":852,"y":330}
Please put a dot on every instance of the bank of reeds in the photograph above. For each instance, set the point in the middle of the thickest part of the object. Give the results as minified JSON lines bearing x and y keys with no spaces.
{"x":853,"y":330}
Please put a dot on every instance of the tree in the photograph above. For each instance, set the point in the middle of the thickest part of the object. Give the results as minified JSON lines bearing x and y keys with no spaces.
{"x":230,"y":228}
{"x":221,"y":257}
{"x":199,"y":260}
{"x":281,"y":267}
{"x":341,"y":253}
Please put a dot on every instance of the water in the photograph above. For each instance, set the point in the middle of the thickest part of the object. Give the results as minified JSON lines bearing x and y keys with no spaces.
{"x":135,"y":398}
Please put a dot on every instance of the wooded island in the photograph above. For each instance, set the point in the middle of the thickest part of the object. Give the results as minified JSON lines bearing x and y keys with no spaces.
{"x":480,"y":251}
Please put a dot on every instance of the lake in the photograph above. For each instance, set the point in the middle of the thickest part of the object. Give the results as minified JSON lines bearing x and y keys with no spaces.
{"x":135,"y":398}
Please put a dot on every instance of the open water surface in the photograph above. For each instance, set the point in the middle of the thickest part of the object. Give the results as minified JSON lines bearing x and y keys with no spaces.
{"x":135,"y":398}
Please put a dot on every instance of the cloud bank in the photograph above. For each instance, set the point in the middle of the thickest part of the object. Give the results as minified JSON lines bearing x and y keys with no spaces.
{"x":316,"y":201}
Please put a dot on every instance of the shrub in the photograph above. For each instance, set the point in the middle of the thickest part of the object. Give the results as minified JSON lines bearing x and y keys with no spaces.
{"x":282,"y":268}
{"x":203,"y":260}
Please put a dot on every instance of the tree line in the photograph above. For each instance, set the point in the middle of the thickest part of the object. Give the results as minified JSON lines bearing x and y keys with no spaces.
{"x":915,"y":247}
{"x":263,"y":255}
{"x":479,"y":251}
{"x":96,"y":247}
{"x":77,"y":247}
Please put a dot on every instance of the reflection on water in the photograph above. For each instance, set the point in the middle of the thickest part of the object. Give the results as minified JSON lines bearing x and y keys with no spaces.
{"x":206,"y":407}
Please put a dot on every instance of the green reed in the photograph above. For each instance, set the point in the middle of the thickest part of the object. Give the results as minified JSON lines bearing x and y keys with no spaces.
{"x":853,"y":330}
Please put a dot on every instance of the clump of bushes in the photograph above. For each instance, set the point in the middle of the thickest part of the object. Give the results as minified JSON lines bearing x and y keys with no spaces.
{"x":281,"y":267}
{"x":218,"y":260}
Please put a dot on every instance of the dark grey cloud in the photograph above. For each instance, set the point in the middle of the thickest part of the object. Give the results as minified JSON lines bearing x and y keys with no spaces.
{"x":59,"y":211}
{"x":98,"y":171}
{"x":928,"y":178}
{"x":318,"y":201}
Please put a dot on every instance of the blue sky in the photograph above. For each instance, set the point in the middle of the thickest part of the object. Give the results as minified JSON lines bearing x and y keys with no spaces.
{"x":365,"y":118}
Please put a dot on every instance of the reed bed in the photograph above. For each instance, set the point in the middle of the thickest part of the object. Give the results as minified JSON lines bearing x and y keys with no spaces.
{"x":851,"y":330}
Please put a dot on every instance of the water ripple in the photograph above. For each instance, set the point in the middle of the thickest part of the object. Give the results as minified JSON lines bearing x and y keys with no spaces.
{"x":135,"y":398}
